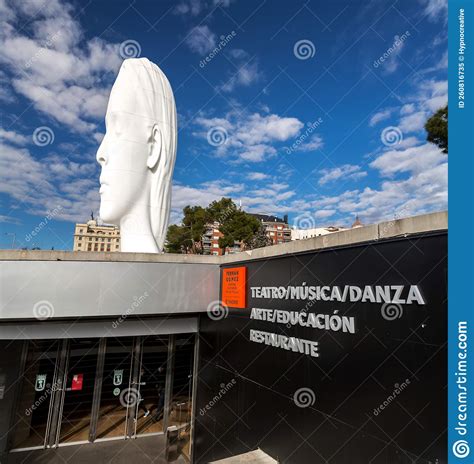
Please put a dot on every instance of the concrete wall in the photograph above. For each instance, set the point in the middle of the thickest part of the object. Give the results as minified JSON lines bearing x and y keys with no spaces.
{"x":47,"y":289}
{"x":60,"y":284}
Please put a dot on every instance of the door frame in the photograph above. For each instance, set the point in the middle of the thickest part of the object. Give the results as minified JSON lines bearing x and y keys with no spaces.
{"x":59,"y":385}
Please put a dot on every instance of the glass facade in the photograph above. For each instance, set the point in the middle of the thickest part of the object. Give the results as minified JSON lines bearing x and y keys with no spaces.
{"x":84,"y":390}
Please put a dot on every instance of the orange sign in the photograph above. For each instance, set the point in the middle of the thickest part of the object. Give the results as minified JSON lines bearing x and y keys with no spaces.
{"x":234,"y":287}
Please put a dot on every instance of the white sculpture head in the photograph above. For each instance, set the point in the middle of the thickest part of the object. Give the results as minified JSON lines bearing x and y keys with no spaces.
{"x":137,"y":156}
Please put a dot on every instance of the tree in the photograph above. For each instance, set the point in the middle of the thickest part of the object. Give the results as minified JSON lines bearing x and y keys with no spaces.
{"x":221,"y":210}
{"x":239,"y":226}
{"x":177,"y":238}
{"x":260,"y":239}
{"x":188,"y":236}
{"x":195,"y":219}
{"x":437,"y":128}
{"x":236,"y":226}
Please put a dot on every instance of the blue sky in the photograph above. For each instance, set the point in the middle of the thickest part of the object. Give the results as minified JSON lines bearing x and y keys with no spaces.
{"x":313,"y":109}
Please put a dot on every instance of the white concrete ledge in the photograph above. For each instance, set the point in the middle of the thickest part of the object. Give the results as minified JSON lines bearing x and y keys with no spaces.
{"x":396,"y":228}
{"x":384,"y":230}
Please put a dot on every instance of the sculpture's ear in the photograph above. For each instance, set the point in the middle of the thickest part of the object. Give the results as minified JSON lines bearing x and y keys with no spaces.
{"x":155,"y":147}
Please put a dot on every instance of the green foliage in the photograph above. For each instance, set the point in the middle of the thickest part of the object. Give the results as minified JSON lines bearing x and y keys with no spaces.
{"x":437,"y":128}
{"x":221,"y":210}
{"x":236,"y":225}
{"x":177,"y":239}
{"x":239,"y":226}
{"x":195,"y":219}
{"x":260,"y":239}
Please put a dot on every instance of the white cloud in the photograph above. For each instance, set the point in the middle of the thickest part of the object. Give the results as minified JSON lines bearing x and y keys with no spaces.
{"x":324,"y":213}
{"x":257,"y":176}
{"x":247,"y":74}
{"x":250,"y":136}
{"x":413,"y":122}
{"x":65,"y":77}
{"x":14,"y":137}
{"x":195,"y":7}
{"x":407,"y":109}
{"x":346,"y":171}
{"x":201,"y":39}
{"x":380,"y":116}
{"x":314,"y":143}
{"x":32,"y":184}
{"x":191,"y":7}
{"x":436,"y":9}
{"x":413,"y":159}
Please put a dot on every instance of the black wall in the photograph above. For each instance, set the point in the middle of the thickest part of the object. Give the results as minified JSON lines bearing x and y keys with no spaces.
{"x":354,"y":374}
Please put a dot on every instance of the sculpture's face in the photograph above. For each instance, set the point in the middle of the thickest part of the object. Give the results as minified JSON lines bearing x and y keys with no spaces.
{"x":123,"y":157}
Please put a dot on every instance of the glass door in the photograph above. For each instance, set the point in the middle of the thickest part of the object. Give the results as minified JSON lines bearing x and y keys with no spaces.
{"x":78,"y":391}
{"x":180,"y":414}
{"x":37,"y":387}
{"x":112,"y":414}
{"x":150,"y":383}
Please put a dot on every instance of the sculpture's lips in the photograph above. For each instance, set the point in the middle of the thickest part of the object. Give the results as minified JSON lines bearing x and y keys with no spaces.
{"x":103,"y":186}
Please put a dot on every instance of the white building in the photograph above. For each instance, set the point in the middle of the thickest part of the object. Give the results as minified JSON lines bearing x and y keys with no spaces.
{"x":303,"y":234}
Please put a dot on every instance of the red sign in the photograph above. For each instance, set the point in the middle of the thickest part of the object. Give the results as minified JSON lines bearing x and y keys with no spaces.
{"x":77,"y":382}
{"x":234,"y":287}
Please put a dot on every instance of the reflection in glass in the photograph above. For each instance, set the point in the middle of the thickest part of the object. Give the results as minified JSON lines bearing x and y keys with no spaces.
{"x":181,"y":404}
{"x":151,"y":386}
{"x":31,"y":415}
{"x":79,"y":390}
{"x":116,"y":378}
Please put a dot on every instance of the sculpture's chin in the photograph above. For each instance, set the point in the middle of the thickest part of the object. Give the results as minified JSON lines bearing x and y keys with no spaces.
{"x":107,"y":213}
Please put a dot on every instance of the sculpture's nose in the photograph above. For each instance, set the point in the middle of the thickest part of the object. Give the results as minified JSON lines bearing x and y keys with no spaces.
{"x":101,"y":155}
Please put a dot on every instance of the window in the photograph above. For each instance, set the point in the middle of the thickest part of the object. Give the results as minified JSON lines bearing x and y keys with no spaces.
{"x":89,"y":247}
{"x":108,"y":247}
{"x":80,"y":238}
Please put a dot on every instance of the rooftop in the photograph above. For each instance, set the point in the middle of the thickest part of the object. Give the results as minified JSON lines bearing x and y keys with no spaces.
{"x":384,"y":230}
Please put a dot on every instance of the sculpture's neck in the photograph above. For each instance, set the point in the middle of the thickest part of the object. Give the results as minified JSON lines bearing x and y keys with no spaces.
{"x":135,"y":232}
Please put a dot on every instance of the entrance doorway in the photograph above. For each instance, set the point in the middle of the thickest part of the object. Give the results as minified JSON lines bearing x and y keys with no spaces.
{"x":74,"y":391}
